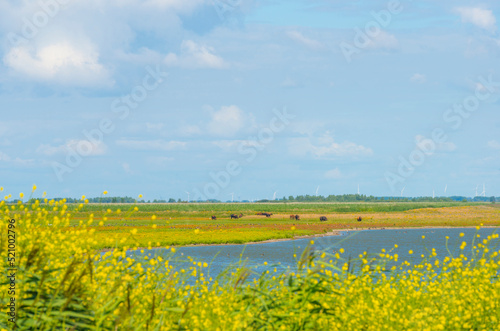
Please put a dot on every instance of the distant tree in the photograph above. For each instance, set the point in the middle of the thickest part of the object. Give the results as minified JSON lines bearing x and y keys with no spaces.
{"x":179,"y":200}
{"x":492,"y":200}
{"x":171,"y":200}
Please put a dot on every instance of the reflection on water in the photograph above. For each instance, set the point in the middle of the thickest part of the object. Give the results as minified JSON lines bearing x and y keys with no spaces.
{"x":280,"y":254}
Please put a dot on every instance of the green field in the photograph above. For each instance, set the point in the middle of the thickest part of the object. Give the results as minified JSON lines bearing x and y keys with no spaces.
{"x":170,"y":224}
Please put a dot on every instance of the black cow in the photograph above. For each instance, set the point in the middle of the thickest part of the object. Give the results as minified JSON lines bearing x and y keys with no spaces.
{"x":359,"y":219}
{"x":234,"y":216}
{"x":323,"y":219}
{"x":214,"y":217}
{"x":297,"y":217}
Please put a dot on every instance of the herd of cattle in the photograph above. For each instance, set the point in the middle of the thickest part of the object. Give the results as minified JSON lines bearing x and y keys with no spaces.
{"x":292,"y":217}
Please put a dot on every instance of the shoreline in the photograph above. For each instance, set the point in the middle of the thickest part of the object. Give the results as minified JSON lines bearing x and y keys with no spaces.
{"x":327,"y":234}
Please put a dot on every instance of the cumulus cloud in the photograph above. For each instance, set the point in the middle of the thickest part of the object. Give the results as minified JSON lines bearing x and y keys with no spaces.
{"x":60,"y":63}
{"x":326,"y":147}
{"x":418,"y":78}
{"x":81,"y":146}
{"x":333,"y":174}
{"x":482,"y":18}
{"x":300,"y":38}
{"x":227,"y":121}
{"x":194,"y":55}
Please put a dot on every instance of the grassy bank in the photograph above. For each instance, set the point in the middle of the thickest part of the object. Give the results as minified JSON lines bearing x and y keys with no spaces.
{"x":156,"y":226}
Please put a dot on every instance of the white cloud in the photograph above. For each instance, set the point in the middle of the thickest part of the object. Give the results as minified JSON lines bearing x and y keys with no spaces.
{"x":310,"y":43}
{"x":16,"y":161}
{"x":227,"y":121}
{"x":426,"y":144}
{"x":126,"y":168}
{"x":157,"y":145}
{"x":59,"y":63}
{"x":482,"y":18}
{"x":326,"y":147}
{"x":229,"y":145}
{"x":193,"y":55}
{"x":154,"y":127}
{"x":418,"y":78}
{"x":383,"y":40}
{"x":333,"y":174}
{"x":494,"y":144}
{"x":4,"y":157}
{"x":189,"y":130}
{"x":80,"y":146}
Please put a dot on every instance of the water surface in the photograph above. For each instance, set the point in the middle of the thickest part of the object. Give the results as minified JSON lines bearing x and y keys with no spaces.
{"x":280,"y":254}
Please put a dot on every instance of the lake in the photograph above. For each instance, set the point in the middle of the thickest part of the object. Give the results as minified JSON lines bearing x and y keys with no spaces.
{"x":280,"y":254}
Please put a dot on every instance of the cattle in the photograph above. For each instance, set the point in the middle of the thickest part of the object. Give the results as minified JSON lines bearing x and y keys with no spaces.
{"x":297,"y":217}
{"x":323,"y":219}
{"x":292,"y":217}
{"x":359,"y":219}
{"x":214,"y":217}
{"x":267,"y":214}
{"x":236,"y":216}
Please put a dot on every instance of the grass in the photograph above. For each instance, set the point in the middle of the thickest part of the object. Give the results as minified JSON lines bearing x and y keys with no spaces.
{"x":190,"y":224}
{"x":63,"y":283}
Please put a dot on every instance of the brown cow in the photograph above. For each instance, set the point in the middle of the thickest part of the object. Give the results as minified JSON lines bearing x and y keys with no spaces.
{"x":359,"y":219}
{"x":292,"y":217}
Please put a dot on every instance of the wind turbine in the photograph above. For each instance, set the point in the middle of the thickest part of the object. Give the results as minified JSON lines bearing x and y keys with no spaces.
{"x":476,"y":190}
{"x":274,"y":195}
{"x":358,"y":189}
{"x":445,"y":188}
{"x":317,"y":189}
{"x":403,"y":190}
{"x":232,"y":196}
{"x":484,"y":190}
{"x":433,"y":195}
{"x":188,"y":196}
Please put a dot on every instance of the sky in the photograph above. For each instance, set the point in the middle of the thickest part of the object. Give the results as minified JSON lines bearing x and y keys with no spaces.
{"x":247,"y":100}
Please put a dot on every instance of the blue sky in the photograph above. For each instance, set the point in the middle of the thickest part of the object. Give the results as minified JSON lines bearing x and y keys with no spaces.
{"x":165,"y":97}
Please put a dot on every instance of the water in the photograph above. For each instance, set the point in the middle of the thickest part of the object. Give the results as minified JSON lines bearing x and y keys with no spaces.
{"x":280,"y":254}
